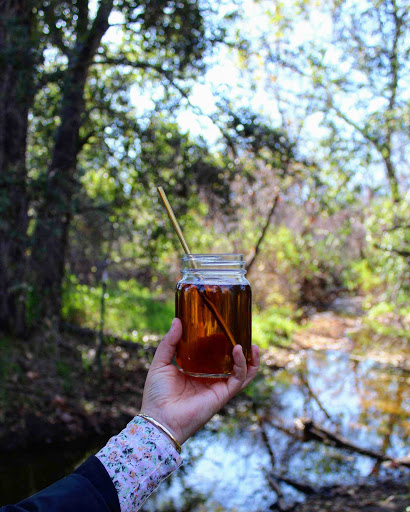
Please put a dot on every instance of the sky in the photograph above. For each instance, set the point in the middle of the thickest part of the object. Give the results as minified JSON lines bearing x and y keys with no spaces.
{"x":225,"y":75}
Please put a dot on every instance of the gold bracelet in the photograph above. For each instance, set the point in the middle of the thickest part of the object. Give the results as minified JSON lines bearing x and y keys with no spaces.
{"x":164,"y":429}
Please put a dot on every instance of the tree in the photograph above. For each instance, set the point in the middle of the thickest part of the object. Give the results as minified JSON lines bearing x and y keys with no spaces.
{"x":373,"y":37}
{"x":49,"y":55}
{"x":356,"y":75}
{"x":18,"y":48}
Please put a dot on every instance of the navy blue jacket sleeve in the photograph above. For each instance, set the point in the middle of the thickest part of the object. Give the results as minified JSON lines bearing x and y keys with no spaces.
{"x":88,"y":489}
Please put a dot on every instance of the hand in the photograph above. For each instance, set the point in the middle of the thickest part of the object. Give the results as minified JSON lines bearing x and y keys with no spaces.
{"x":184,"y":404}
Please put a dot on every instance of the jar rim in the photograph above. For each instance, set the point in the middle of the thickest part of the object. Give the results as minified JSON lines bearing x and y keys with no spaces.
{"x":187,"y":257}
{"x":213,"y":263}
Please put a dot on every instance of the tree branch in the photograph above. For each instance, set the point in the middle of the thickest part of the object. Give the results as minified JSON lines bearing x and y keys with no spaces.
{"x":299,"y":486}
{"x":263,"y":233}
{"x":92,"y":39}
{"x":139,"y":64}
{"x":401,"y":252}
{"x":319,"y":433}
{"x":312,"y":395}
{"x":352,"y":123}
{"x":398,"y":226}
{"x":171,"y":79}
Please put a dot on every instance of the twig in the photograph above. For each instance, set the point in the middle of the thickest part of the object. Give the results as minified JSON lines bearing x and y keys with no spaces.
{"x":275,"y":202}
{"x":324,"y":435}
{"x":313,"y":395}
{"x":280,"y":501}
{"x":299,"y":486}
{"x":266,"y":442}
{"x":401,"y":252}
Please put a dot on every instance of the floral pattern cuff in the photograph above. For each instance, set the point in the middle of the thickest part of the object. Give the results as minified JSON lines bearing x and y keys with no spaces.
{"x":137,"y":460}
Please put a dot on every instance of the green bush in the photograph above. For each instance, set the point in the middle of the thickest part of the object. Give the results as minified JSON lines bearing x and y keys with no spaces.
{"x":129,"y":307}
{"x":134,"y":310}
{"x":274,"y":326}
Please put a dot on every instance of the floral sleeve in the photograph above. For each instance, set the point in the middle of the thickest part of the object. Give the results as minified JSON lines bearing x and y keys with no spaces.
{"x":137,"y":460}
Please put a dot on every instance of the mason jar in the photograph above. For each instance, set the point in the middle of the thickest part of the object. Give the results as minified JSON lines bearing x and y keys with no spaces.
{"x":213,"y":301}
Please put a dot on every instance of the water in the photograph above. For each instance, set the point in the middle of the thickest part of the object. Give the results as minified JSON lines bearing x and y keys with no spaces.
{"x":364,"y":401}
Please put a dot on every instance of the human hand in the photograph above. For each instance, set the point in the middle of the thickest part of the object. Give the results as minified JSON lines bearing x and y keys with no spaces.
{"x":181,"y":403}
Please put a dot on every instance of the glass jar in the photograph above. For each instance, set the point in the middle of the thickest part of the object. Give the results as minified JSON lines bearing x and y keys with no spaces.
{"x":213,"y":302}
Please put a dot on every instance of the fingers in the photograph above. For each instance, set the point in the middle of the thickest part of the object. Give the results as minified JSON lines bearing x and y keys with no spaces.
{"x":253,"y":366}
{"x":166,"y":349}
{"x":238,"y":376}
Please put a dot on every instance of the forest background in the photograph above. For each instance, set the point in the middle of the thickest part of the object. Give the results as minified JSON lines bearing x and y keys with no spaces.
{"x":278,"y":129}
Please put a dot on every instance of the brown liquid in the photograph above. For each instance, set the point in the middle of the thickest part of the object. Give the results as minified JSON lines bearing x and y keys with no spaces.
{"x":204,"y":348}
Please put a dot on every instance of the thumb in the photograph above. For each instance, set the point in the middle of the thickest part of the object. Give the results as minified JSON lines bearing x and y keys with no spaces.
{"x":166,"y":349}
{"x":236,"y":380}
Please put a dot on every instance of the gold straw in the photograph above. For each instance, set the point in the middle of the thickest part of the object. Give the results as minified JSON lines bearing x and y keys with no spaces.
{"x":206,"y":300}
{"x":173,"y":219}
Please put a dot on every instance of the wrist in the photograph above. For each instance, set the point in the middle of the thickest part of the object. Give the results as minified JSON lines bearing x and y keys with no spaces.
{"x":162,"y":428}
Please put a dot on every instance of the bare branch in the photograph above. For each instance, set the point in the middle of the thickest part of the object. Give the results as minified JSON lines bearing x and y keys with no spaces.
{"x":264,"y":230}
{"x":356,"y":126}
{"x":319,"y":433}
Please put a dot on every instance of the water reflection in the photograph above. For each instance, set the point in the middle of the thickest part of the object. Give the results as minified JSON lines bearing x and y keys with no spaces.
{"x":364,"y":401}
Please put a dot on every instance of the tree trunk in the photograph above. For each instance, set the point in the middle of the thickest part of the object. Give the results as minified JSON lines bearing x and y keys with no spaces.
{"x":54,"y":214}
{"x":17,"y":53}
{"x":392,"y":178}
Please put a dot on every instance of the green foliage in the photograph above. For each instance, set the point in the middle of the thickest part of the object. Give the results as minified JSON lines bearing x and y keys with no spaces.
{"x":381,"y":331}
{"x":362,"y":277}
{"x":5,"y":368}
{"x":131,"y":309}
{"x":386,"y":274}
{"x":388,"y":307}
{"x":129,"y":141}
{"x":4,"y":355}
{"x":274,"y":326}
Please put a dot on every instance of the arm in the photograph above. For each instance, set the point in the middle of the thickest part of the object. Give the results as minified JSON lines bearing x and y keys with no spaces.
{"x":132,"y":464}
{"x":180,"y":403}
{"x":88,"y":489}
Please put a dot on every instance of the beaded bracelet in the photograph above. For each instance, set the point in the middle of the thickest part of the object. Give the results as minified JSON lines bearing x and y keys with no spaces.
{"x":164,"y":429}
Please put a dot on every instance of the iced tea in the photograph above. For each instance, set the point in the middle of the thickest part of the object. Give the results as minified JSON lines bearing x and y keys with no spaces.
{"x":205,"y":348}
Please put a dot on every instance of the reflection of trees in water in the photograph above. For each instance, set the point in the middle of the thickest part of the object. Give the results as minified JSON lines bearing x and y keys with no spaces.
{"x":379,"y":395}
{"x":359,"y":400}
{"x":382,"y":393}
{"x":192,"y":500}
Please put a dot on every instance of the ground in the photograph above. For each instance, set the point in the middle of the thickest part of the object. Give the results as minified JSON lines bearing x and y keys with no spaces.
{"x":53,"y":400}
{"x":388,"y":496}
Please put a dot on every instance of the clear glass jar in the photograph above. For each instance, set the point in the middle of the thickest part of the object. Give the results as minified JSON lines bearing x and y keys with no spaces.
{"x":213,"y":301}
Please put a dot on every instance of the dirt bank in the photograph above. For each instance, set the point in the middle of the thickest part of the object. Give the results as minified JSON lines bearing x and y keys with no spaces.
{"x":53,"y":393}
{"x":387,"y":496}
